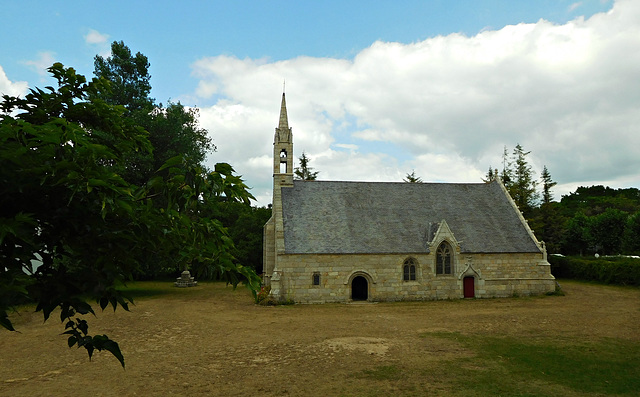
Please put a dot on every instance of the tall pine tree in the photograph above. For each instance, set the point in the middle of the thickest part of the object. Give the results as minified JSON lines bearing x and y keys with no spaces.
{"x":523,"y":185}
{"x":304,"y":171}
{"x":547,"y":184}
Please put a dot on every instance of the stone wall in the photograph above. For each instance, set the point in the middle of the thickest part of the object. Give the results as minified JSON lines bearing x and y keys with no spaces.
{"x":495,"y":275}
{"x":268,"y":250}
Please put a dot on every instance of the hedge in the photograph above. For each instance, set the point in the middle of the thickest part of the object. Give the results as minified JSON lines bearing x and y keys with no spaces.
{"x":609,"y":270}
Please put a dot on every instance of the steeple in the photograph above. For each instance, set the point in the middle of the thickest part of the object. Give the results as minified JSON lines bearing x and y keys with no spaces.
{"x":282,"y":179}
{"x":283,"y":150}
{"x":284,"y":121}
{"x":283,"y":132}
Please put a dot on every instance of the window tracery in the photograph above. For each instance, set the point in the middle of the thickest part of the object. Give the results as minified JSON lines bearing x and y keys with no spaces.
{"x":444,"y":255}
{"x":409,"y":270}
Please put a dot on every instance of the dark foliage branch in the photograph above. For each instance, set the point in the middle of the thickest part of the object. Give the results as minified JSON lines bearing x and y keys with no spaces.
{"x":73,"y":229}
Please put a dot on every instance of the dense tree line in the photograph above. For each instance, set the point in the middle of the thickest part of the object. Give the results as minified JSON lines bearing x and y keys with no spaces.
{"x":100,"y":184}
{"x":597,"y":219}
{"x":591,"y":220}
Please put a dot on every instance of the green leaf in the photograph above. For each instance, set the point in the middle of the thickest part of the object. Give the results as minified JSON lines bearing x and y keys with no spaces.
{"x":102,"y":342}
{"x":104,"y":302}
{"x":172,"y":162}
{"x":83,"y":307}
{"x":89,"y":348}
{"x":83,"y":326}
{"x":5,"y":322}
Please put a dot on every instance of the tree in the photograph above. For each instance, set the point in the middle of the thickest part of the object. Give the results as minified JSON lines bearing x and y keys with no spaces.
{"x":492,"y":175}
{"x":246,"y":228}
{"x":578,"y":235}
{"x":631,"y":238}
{"x":550,"y":222}
{"x":607,"y":230}
{"x":412,"y":178}
{"x":304,"y":172}
{"x":547,"y":184}
{"x":595,"y":200}
{"x":129,"y":76}
{"x":173,"y":130}
{"x":506,"y":174}
{"x":64,"y":206}
{"x":191,"y":237}
{"x":523,"y":186}
{"x":549,"y":225}
{"x":60,"y":196}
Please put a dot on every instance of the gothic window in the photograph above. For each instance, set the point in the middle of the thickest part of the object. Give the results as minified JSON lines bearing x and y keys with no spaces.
{"x":444,"y":256}
{"x":316,"y":278}
{"x":283,"y":154}
{"x":409,"y":270}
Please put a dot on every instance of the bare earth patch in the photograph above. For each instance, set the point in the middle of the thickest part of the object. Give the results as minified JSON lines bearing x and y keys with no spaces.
{"x":210,"y":340}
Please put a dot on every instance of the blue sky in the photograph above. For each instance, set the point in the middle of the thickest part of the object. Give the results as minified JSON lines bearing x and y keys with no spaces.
{"x":173,"y":34}
{"x":375,"y":88}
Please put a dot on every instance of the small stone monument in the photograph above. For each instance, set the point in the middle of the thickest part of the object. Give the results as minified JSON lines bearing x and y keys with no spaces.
{"x":185,"y":280}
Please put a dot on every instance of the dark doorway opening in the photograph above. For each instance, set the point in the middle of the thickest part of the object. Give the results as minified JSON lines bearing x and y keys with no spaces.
{"x":359,"y":289}
{"x":469,"y":287}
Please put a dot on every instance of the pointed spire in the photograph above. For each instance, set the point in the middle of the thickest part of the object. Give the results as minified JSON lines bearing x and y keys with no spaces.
{"x":284,"y":121}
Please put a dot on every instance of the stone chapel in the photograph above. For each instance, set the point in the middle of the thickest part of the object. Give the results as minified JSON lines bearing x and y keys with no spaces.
{"x":334,"y":241}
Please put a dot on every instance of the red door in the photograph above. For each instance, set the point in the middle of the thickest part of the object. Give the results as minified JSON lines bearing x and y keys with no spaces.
{"x":469,"y":287}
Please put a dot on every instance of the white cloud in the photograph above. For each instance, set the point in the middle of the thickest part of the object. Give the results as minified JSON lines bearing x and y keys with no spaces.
{"x":95,"y":37}
{"x":347,"y":146}
{"x":42,"y":63}
{"x":98,"y":41}
{"x":7,"y":87}
{"x":445,"y":106}
{"x":575,"y":6}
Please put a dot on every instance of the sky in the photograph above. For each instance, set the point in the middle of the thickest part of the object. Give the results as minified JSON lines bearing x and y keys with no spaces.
{"x":375,"y":89}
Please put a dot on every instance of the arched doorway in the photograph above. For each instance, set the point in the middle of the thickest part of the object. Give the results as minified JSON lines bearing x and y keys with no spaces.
{"x":359,"y":289}
{"x":468,"y":284}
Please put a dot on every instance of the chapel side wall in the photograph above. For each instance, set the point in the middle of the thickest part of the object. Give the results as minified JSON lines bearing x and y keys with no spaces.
{"x":504,"y":275}
{"x":268,"y":251}
{"x":496,"y":275}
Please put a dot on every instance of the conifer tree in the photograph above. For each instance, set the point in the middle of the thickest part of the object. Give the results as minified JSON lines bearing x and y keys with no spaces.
{"x":551,"y":222}
{"x":413,"y":178}
{"x":492,"y":175}
{"x":547,"y":184}
{"x":304,"y":172}
{"x":523,"y":186}
{"x":506,"y":168}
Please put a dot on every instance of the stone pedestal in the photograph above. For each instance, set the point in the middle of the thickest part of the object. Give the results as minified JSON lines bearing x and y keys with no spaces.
{"x":185,"y":280}
{"x":275,"y":285}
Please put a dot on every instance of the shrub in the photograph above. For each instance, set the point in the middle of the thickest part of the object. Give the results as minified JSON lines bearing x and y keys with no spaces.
{"x":609,"y":270}
{"x":263,"y":294}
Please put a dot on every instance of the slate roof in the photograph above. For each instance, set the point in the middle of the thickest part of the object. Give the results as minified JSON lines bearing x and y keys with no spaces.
{"x":327,"y":217}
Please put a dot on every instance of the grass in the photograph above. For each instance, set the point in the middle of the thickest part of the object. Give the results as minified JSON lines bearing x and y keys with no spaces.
{"x":167,"y":290}
{"x":148,"y":289}
{"x":496,"y":365}
{"x":535,"y":366}
{"x":385,"y":372}
{"x":223,"y":331}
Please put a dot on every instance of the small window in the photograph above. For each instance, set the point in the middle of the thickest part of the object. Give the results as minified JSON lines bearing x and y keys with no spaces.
{"x":443,"y":258}
{"x":283,"y":153}
{"x":409,"y":270}
{"x":316,"y":278}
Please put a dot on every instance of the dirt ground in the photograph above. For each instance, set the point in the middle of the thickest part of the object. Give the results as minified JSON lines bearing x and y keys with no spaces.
{"x":210,"y":340}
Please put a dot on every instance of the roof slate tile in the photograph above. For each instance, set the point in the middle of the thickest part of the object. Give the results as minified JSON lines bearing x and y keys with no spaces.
{"x":332,"y":217}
